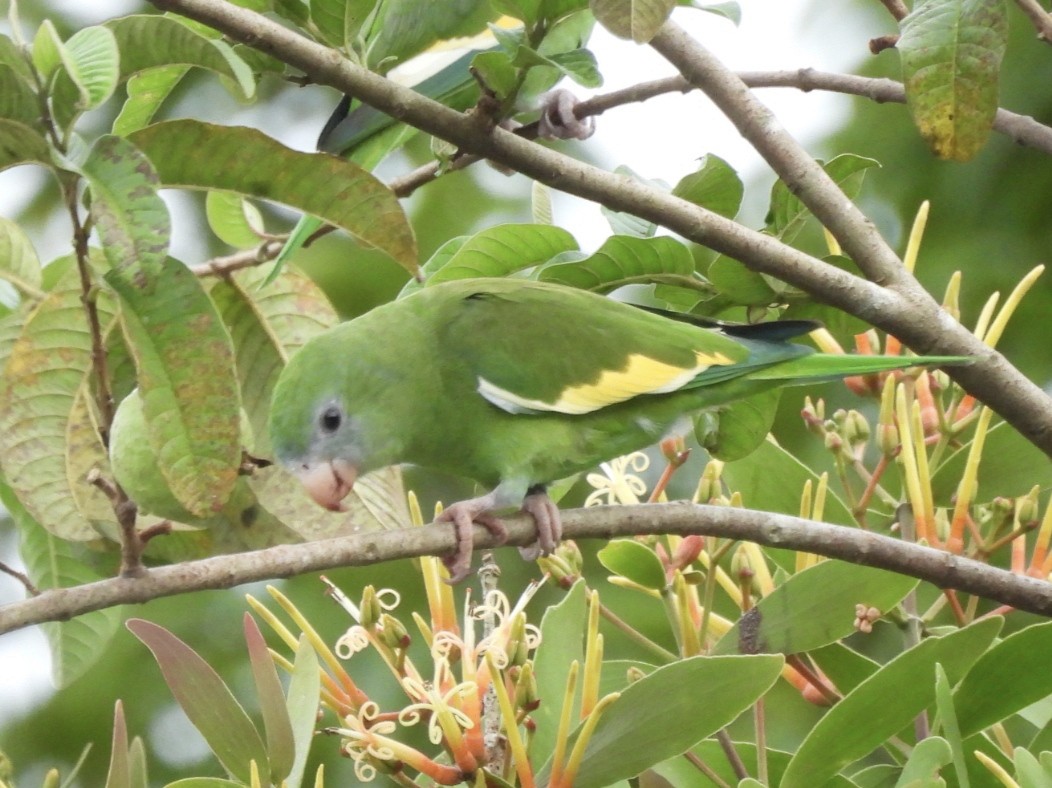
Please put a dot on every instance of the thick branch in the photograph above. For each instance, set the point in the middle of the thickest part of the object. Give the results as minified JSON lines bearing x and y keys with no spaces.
{"x":775,"y":530}
{"x":905,"y":311}
{"x":1040,"y":18}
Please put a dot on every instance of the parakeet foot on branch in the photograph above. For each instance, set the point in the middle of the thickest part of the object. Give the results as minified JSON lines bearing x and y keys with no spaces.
{"x":558,"y":120}
{"x":464,"y":515}
{"x":549,"y":525}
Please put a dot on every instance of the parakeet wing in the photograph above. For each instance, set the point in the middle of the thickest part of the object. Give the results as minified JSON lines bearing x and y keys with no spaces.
{"x":539,"y":348}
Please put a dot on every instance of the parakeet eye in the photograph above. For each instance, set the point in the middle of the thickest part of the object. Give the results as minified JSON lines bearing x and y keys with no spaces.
{"x":330,"y":419}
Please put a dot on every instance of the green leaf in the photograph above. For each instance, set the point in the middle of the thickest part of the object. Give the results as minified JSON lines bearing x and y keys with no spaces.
{"x":951,"y":58}
{"x":927,"y":758}
{"x":78,"y":644}
{"x":1010,"y":466}
{"x":813,"y":608}
{"x":1030,"y":772}
{"x":119,"y":774}
{"x":11,"y":56}
{"x":495,"y":251}
{"x":563,"y":629}
{"x":579,"y":65}
{"x":187,"y":380}
{"x":845,"y":667}
{"x":149,"y":41}
{"x":146,"y":92}
{"x":715,"y":186}
{"x":879,"y":708}
{"x":17,"y":100}
{"x":207,"y":701}
{"x":205,"y":782}
{"x":751,"y":476}
{"x":234,"y":220}
{"x":638,"y":20}
{"x":328,"y":19}
{"x":304,"y":692}
{"x":276,"y":722}
{"x":702,"y":694}
{"x":634,"y":561}
{"x":92,"y":60}
{"x":195,"y":155}
{"x":739,"y":283}
{"x":497,"y":72}
{"x":46,"y":370}
{"x":1007,"y":678}
{"x":19,"y":264}
{"x":47,"y":49}
{"x":20,"y":144}
{"x":951,"y":730}
{"x":787,"y":213}
{"x":728,"y":10}
{"x":740,"y":428}
{"x":267,"y":325}
{"x":130,"y":216}
{"x":681,"y":772}
{"x":624,"y":260}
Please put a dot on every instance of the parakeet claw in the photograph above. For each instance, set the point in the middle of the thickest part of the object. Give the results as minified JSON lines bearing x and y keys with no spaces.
{"x":558,"y":120}
{"x":464,"y":515}
{"x":545,"y":514}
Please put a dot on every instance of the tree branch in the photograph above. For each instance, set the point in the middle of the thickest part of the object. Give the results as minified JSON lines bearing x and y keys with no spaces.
{"x":904,"y":310}
{"x":1040,"y":18}
{"x":943,"y":569}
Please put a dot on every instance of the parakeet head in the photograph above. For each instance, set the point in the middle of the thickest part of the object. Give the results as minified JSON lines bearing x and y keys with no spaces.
{"x":312,"y":433}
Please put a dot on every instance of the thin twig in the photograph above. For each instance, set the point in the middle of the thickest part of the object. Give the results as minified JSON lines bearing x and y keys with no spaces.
{"x":943,"y":569}
{"x":1039,"y":17}
{"x":896,"y":8}
{"x":21,"y":577}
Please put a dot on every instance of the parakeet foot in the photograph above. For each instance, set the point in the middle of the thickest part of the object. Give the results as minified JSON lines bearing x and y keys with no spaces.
{"x":558,"y":120}
{"x":545,"y":514}
{"x":464,"y":515}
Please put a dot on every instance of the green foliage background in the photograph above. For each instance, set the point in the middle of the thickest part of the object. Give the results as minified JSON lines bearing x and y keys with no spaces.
{"x":989,"y":219}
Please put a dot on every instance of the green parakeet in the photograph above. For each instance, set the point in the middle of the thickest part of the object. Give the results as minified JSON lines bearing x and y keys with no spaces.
{"x":516,"y":384}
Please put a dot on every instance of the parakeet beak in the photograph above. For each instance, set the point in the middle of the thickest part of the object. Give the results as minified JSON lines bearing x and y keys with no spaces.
{"x":328,"y":483}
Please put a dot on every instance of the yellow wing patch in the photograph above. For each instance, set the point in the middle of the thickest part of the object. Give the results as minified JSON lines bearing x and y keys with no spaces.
{"x":641,"y":375}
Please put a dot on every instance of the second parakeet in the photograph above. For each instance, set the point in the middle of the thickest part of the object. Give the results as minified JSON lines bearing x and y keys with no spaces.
{"x":516,"y":384}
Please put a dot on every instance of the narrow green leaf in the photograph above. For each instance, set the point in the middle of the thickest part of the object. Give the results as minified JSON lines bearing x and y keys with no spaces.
{"x":130,"y":216}
{"x":303,"y":699}
{"x":119,"y":774}
{"x":93,"y":62}
{"x":19,"y":264}
{"x":17,"y":100}
{"x":234,"y":220}
{"x":205,"y":782}
{"x":137,"y":764}
{"x":638,"y":20}
{"x":78,"y":644}
{"x":46,"y":370}
{"x":951,"y":731}
{"x":879,"y":708}
{"x":813,"y":608}
{"x":951,"y":57}
{"x":1009,"y":677}
{"x":276,"y":722}
{"x":187,"y":379}
{"x":207,"y":701}
{"x":1030,"y":772}
{"x":624,"y":260}
{"x":715,"y":186}
{"x":495,"y":251}
{"x":562,"y":642}
{"x":681,"y":772}
{"x":146,"y":92}
{"x":20,"y":144}
{"x":149,"y":41}
{"x":845,"y":667}
{"x":702,"y":694}
{"x":635,"y":561}
{"x":195,"y":155}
